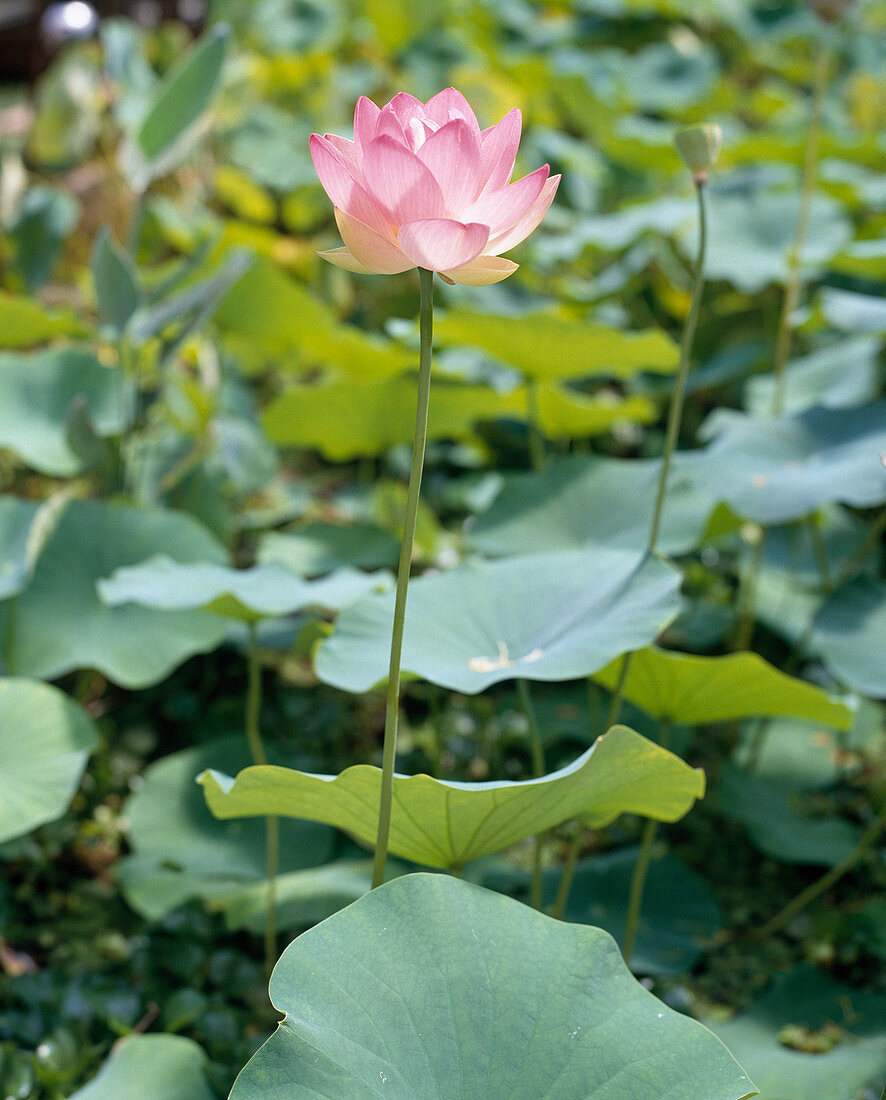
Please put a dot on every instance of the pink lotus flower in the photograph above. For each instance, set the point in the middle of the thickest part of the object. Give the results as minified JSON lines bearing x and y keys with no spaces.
{"x":422,"y":186}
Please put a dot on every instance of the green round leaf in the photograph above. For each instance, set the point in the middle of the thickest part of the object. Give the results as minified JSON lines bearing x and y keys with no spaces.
{"x":321,"y":547}
{"x":181,"y":851}
{"x":554,"y":616}
{"x":576,"y":501}
{"x":25,"y":529}
{"x":40,"y":393}
{"x":448,"y":824}
{"x":45,"y":742}
{"x":60,"y":624}
{"x":151,"y":1067}
{"x":249,"y":594}
{"x":850,"y":634}
{"x":431,"y":987}
{"x":692,"y":690}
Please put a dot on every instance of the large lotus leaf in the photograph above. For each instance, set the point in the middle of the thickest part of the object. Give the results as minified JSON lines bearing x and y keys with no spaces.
{"x":775,"y":471}
{"x":26,"y":322}
{"x":751,"y":234}
{"x":151,"y":1067}
{"x":272,"y":319}
{"x":45,"y":741}
{"x":432,"y":987}
{"x":692,"y":690}
{"x":249,"y":594}
{"x":39,"y":395}
{"x":850,"y":634}
{"x":566,"y":413}
{"x":580,"y":500}
{"x":448,"y":824}
{"x":553,"y":616}
{"x":25,"y":529}
{"x":321,"y":547}
{"x":59,"y":623}
{"x":545,"y":346}
{"x":776,"y":827}
{"x":181,"y":851}
{"x":841,"y":375}
{"x":679,"y":915}
{"x":344,"y":419}
{"x":807,"y":998}
{"x":793,"y":755}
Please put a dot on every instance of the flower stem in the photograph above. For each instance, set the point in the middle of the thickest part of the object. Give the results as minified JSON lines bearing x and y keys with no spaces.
{"x":392,"y":706}
{"x":272,"y":824}
{"x":559,"y":906}
{"x":641,"y":867}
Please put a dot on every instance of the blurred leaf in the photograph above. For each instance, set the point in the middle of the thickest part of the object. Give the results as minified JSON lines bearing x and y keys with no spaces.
{"x":842,"y":375}
{"x":115,"y":281}
{"x":151,"y":1067}
{"x":449,"y":824}
{"x":694,"y":690}
{"x":26,"y":322}
{"x":25,"y":528}
{"x":45,"y":219}
{"x":40,"y":392}
{"x":321,"y":547}
{"x":849,"y":311}
{"x":850,"y":634}
{"x":416,"y":1022}
{"x":44,"y":747}
{"x":549,"y":616}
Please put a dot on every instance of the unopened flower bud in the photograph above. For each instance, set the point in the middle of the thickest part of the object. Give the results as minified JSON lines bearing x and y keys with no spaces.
{"x":699,"y":146}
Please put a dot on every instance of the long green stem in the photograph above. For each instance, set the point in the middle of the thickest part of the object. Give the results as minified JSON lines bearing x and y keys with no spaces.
{"x":392,"y":706}
{"x":866,"y":841}
{"x":641,"y":867}
{"x":538,"y":769}
{"x":559,"y":906}
{"x":272,"y":824}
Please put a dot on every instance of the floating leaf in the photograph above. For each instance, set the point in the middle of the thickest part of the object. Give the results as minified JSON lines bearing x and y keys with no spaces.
{"x":249,"y":594}
{"x":679,"y":914}
{"x":44,"y":746}
{"x":850,"y":634}
{"x":553,"y":616}
{"x":59,"y":623}
{"x":693,"y":690}
{"x":449,"y":993}
{"x":181,"y":851}
{"x":151,"y":1067}
{"x":545,"y":346}
{"x":807,"y":998}
{"x":580,"y":500}
{"x":448,"y":824}
{"x":39,"y":394}
{"x":779,"y":470}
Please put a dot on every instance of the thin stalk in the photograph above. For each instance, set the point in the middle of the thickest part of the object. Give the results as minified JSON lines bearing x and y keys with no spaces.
{"x":675,"y":412}
{"x":747,"y":595}
{"x":559,"y":906}
{"x":272,"y":824}
{"x":866,"y":841}
{"x":538,"y":769}
{"x":791,"y":299}
{"x":641,"y":867}
{"x":392,"y":705}
{"x":820,"y":551}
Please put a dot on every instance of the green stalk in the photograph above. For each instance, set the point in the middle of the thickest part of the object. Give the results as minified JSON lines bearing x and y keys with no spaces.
{"x":641,"y":867}
{"x":865,"y":843}
{"x":538,"y":769}
{"x":272,"y":824}
{"x":392,"y":706}
{"x":559,"y":906}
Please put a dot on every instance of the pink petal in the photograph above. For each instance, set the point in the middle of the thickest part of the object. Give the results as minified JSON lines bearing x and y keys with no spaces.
{"x":365,"y":124}
{"x":339,"y":179}
{"x":343,"y":146}
{"x":342,"y":258}
{"x":406,"y":107}
{"x":440,"y":243}
{"x":504,"y":208}
{"x":389,"y":123}
{"x":375,"y":252}
{"x":398,"y":181}
{"x":450,"y":104}
{"x":484,"y":271}
{"x":498,"y":151}
{"x":453,"y":156}
{"x":528,"y":222}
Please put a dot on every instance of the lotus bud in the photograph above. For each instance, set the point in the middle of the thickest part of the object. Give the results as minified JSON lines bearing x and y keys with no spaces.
{"x":699,"y":146}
